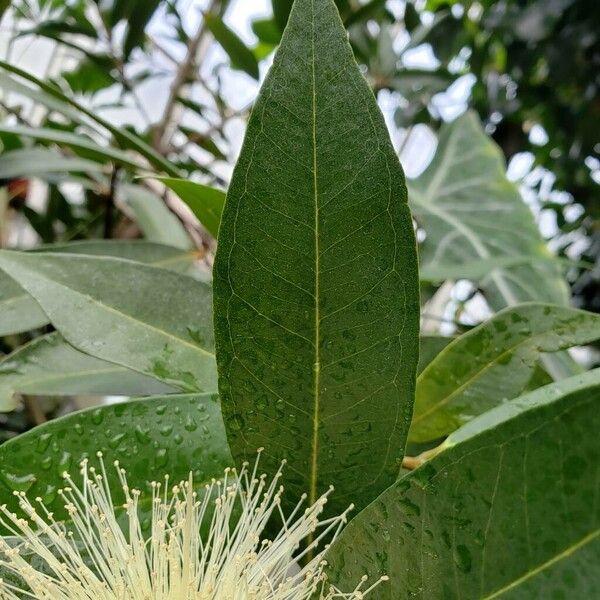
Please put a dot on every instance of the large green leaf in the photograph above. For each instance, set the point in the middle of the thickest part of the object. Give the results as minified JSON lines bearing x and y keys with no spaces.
{"x":172,"y":435}
{"x":493,"y":363}
{"x":316,"y":284}
{"x":204,"y":201}
{"x":472,"y":213}
{"x":507,"y":510}
{"x":72,"y":140}
{"x":141,"y":317}
{"x":48,"y":366}
{"x":20,"y":312}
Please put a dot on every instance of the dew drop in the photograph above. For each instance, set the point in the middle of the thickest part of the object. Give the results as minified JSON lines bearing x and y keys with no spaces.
{"x":161,"y":457}
{"x":190,"y":424}
{"x":18,"y":483}
{"x":43,"y":442}
{"x":166,"y":430}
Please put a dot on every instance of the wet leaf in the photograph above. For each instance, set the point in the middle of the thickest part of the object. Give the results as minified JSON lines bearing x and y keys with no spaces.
{"x":506,"y":510}
{"x":141,"y":317}
{"x":493,"y":363}
{"x":172,"y":435}
{"x":20,"y":312}
{"x":48,"y":366}
{"x":316,"y":284}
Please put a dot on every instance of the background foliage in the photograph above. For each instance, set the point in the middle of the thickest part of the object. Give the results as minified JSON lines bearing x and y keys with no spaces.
{"x":115,"y":205}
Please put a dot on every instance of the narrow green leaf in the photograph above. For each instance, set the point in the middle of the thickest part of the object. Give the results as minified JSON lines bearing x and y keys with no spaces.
{"x":267,"y":31}
{"x":27,"y":162}
{"x":144,"y":318}
{"x":122,"y":135}
{"x":10,"y":83}
{"x":506,"y":510}
{"x":316,"y":284}
{"x":137,"y":19}
{"x":493,"y":363}
{"x":205,"y":202}
{"x":48,"y":366}
{"x":71,"y":140}
{"x":151,"y":438}
{"x":4,"y":4}
{"x":241,"y":56}
{"x":20,"y":312}
{"x":155,"y":219}
{"x":202,"y":140}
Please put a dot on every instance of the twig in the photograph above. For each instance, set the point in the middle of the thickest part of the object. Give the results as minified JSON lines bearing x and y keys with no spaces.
{"x":164,"y":129}
{"x":412,"y":462}
{"x":36,"y":414}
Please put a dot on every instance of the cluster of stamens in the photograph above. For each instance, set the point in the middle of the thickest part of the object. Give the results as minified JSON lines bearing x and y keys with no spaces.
{"x":210,"y":546}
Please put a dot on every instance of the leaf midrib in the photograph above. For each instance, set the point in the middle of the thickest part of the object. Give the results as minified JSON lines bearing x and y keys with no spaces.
{"x":128,"y":317}
{"x":539,"y":569}
{"x":472,"y":378}
{"x":317,"y":360}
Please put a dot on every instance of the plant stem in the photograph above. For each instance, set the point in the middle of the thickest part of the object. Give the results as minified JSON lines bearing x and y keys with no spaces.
{"x":164,"y":129}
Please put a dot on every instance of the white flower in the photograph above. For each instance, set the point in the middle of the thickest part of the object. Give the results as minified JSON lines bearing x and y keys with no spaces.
{"x":96,"y":559}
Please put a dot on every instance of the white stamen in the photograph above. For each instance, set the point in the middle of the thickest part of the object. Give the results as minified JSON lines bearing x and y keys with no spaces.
{"x":97,"y":559}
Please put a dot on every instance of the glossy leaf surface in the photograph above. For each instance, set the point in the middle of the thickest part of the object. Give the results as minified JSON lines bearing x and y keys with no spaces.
{"x":48,"y":366}
{"x":493,"y":363}
{"x":20,"y":312}
{"x":316,"y":284}
{"x":144,"y":318}
{"x":172,"y":435}
{"x":507,"y":510}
